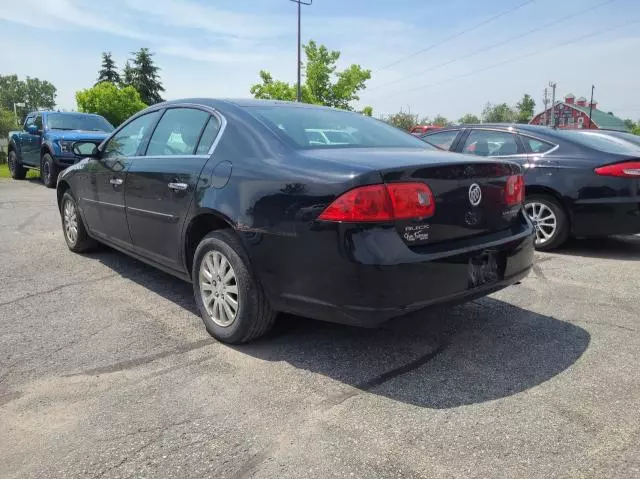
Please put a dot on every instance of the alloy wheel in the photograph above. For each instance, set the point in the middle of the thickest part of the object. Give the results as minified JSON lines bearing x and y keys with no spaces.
{"x":544,"y":220}
{"x":70,"y":220}
{"x":219,"y":288}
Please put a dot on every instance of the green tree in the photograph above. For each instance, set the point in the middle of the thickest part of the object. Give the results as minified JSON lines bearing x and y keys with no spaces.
{"x":630,"y":124}
{"x":636,"y":129}
{"x":33,"y":92}
{"x":7,"y":122}
{"x":525,"y":108}
{"x":128,"y":73}
{"x":145,"y":77}
{"x":469,"y":119}
{"x":367,"y":111}
{"x":501,"y":113}
{"x":109,"y":71}
{"x":115,"y":103}
{"x":440,"y":120}
{"x":403,"y":120}
{"x":323,"y":84}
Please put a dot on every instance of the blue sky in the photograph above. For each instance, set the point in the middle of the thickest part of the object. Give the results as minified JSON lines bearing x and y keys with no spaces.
{"x":217,"y":47}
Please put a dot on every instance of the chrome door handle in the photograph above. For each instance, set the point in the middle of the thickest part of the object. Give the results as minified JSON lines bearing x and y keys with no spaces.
{"x":115,"y":181}
{"x":178,"y":186}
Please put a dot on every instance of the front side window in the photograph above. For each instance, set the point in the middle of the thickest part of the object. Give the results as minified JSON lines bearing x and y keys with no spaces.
{"x":442,"y":139}
{"x":29,"y":121}
{"x":177,"y":132}
{"x":208,"y":135}
{"x":490,"y":143}
{"x":38,"y":122}
{"x":302,"y":127}
{"x":128,"y":140}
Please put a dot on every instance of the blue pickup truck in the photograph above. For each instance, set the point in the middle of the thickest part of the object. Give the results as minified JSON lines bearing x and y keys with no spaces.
{"x":46,"y":140}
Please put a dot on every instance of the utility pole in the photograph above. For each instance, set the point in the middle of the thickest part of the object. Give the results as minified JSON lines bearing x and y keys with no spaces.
{"x":300,"y":3}
{"x":553,"y":103}
{"x":591,"y":105}
{"x":546,"y":102}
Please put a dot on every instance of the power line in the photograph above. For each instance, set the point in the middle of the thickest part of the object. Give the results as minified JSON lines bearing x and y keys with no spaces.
{"x":456,"y":35}
{"x":520,"y":57}
{"x":494,"y":45}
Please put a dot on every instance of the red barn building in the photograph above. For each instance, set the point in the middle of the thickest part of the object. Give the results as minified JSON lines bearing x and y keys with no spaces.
{"x":572,"y":113}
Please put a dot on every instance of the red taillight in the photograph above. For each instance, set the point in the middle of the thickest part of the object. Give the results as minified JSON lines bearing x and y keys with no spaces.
{"x":382,"y":203}
{"x":514,"y":190}
{"x":628,"y":169}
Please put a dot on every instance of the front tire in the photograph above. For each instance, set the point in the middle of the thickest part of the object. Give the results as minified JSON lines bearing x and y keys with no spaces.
{"x":550,"y":221}
{"x":75,"y":234}
{"x":231,"y":301}
{"x":17,"y":171}
{"x":48,"y":171}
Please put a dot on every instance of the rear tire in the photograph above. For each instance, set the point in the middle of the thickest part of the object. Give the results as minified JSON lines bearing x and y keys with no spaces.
{"x":550,"y":220}
{"x":48,"y":171}
{"x":75,"y":234}
{"x":230,"y":299}
{"x":17,"y":171}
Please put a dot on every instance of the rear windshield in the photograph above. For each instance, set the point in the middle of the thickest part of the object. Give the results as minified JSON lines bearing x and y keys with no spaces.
{"x":307,"y":128}
{"x":600,"y":141}
{"x":66,"y":121}
{"x":635,"y":139}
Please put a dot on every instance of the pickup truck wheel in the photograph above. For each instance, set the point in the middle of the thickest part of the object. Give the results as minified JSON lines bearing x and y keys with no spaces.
{"x":17,"y":171}
{"x":230,"y":299}
{"x":75,"y":234}
{"x":48,"y":171}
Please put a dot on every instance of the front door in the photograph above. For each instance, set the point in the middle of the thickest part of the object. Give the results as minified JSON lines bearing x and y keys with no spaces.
{"x":109,"y":174}
{"x":161,"y":184}
{"x":30,"y":143}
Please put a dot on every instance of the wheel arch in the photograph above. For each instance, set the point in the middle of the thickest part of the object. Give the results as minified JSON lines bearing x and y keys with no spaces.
{"x":44,"y":149}
{"x":61,"y":189}
{"x":536,"y":190}
{"x":198,"y":227}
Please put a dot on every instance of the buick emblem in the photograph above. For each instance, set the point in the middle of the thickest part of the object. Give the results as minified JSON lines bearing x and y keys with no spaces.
{"x":475,"y":194}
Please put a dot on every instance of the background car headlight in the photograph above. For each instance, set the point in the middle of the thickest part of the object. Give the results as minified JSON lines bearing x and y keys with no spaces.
{"x":66,"y":146}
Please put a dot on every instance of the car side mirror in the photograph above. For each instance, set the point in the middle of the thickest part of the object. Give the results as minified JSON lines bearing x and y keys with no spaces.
{"x":86,"y":148}
{"x":33,"y":130}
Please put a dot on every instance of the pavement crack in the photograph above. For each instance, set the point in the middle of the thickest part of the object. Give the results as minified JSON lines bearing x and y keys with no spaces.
{"x":125,"y":459}
{"x":132,"y":363}
{"x":26,"y":223}
{"x":58,"y":288}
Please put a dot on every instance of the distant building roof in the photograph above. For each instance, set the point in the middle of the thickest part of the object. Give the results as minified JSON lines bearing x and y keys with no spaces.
{"x":603,"y":119}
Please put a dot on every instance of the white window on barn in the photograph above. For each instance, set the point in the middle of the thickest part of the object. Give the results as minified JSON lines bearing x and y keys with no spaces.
{"x":571,"y":121}
{"x":561,"y":121}
{"x":580,"y":122}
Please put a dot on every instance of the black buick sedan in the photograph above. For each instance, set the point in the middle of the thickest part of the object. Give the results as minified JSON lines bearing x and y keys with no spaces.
{"x":264,"y":213}
{"x":581,"y":183}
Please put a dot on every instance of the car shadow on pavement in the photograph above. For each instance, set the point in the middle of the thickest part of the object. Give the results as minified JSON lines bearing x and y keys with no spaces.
{"x":440,"y":358}
{"x":612,"y":247}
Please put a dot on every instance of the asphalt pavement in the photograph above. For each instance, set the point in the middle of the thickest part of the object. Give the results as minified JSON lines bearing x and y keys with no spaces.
{"x":107,"y":371}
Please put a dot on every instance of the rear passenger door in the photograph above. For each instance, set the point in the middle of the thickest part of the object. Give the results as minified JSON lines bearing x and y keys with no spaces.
{"x":161,"y":184}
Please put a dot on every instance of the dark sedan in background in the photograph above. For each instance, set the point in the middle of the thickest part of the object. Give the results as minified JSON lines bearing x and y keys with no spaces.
{"x":582,"y":183}
{"x":244,"y":201}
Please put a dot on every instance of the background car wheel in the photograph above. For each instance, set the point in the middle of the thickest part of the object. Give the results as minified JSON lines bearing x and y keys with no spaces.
{"x":73,"y":228}
{"x":48,"y":171}
{"x":17,"y":171}
{"x":550,"y":221}
{"x":231,"y":301}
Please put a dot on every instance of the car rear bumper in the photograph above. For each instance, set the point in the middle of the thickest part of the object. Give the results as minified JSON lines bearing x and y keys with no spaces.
{"x":607,"y":216}
{"x":374,"y":276}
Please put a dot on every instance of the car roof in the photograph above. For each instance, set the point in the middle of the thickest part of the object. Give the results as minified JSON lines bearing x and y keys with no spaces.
{"x":225,"y":103}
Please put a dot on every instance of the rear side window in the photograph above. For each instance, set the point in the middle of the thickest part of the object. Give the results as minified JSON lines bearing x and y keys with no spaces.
{"x":536,"y":146}
{"x":177,"y":132}
{"x":442,"y":139}
{"x":208,"y":136}
{"x":491,"y":143}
